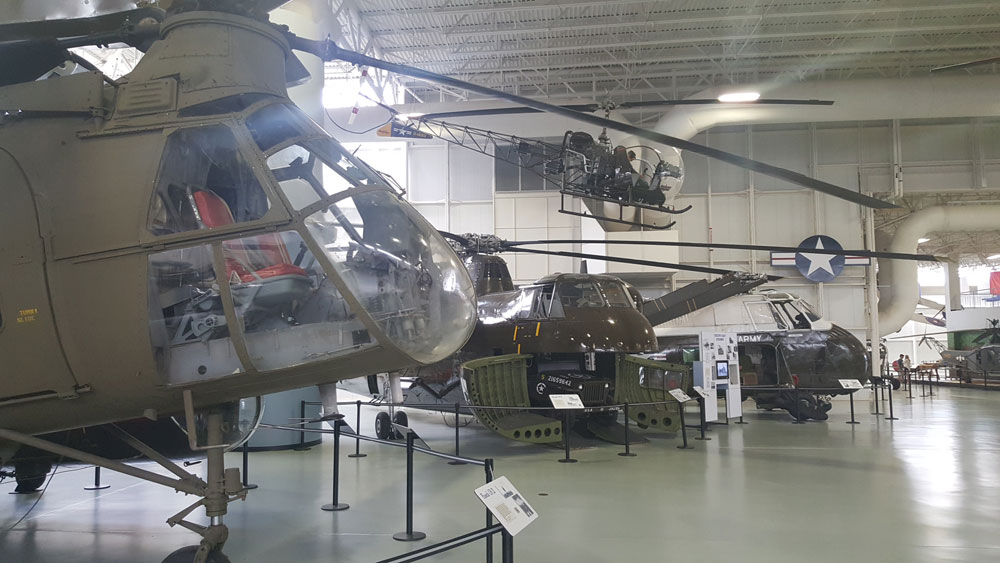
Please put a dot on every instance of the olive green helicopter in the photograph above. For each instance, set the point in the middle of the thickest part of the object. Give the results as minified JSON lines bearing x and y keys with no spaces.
{"x":179,"y":239}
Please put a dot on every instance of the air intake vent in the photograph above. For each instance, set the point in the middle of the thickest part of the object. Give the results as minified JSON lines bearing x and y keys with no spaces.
{"x":147,"y":97}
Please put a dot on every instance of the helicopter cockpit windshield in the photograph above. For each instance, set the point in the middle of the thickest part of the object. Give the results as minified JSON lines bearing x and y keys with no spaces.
{"x":356,"y":268}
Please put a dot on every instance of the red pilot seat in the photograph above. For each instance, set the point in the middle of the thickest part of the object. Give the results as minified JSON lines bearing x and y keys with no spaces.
{"x":262,"y":258}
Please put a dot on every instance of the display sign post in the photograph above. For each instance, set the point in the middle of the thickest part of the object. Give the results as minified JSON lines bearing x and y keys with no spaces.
{"x":853,"y":384}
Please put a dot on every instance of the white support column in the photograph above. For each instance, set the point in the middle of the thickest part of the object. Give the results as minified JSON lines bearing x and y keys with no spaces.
{"x":871,"y":284}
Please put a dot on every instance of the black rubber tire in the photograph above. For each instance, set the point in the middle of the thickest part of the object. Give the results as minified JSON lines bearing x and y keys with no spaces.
{"x":383,"y":426}
{"x":896,"y":383}
{"x":401,"y":419}
{"x":30,"y":475}
{"x":186,"y":555}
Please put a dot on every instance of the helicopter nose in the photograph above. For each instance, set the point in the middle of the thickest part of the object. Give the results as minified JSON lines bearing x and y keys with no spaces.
{"x":846,"y":353}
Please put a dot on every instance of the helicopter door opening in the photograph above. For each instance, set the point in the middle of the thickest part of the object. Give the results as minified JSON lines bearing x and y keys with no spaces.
{"x":28,"y":322}
{"x":758,"y":364}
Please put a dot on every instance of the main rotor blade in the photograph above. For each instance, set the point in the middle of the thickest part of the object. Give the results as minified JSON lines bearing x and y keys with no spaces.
{"x":713,"y":101}
{"x":501,"y":111}
{"x":327,"y":50}
{"x":765,"y":248}
{"x":966,"y":64}
{"x":633,"y":261}
{"x":624,"y":105}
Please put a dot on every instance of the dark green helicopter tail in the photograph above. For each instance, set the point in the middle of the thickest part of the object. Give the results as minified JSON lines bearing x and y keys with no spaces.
{"x":641,"y":381}
{"x":502,"y":381}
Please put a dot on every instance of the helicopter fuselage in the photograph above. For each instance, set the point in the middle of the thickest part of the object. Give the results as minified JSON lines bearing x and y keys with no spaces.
{"x":190,"y":230}
{"x":783,"y":345}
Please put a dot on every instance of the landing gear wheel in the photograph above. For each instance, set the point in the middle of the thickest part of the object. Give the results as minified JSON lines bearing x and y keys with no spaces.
{"x":383,"y":426}
{"x":30,"y":475}
{"x":401,"y":419}
{"x":187,"y":554}
{"x":896,"y":383}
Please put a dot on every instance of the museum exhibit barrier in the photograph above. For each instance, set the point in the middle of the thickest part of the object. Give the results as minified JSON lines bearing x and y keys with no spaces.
{"x":487,"y":533}
{"x":559,"y":424}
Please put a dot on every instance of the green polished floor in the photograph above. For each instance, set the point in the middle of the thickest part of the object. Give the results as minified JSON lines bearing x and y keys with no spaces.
{"x":923,"y":488}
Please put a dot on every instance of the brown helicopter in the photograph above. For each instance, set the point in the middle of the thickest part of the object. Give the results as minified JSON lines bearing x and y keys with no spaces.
{"x":170,"y":246}
{"x":579,"y":334}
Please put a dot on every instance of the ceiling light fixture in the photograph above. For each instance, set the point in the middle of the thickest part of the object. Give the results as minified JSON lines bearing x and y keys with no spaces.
{"x":994,"y":257}
{"x":922,"y":240}
{"x":409,"y":115}
{"x":736,"y":97}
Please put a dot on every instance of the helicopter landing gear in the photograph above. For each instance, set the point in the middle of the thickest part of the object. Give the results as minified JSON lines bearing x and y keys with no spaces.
{"x":810,"y":406}
{"x":383,"y":426}
{"x":30,"y":475}
{"x":400,"y":418}
{"x":222,"y":486}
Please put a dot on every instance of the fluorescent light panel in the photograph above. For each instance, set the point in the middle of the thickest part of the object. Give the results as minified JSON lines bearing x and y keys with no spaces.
{"x":736,"y":97}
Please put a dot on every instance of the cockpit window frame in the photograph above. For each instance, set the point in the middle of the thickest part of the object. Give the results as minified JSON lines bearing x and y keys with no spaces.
{"x":277,"y":214}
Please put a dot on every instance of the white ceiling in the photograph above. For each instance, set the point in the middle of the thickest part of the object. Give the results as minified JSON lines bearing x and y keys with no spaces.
{"x":629,"y":49}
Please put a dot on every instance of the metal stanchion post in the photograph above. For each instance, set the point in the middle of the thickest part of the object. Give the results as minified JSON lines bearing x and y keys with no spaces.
{"x":923,"y":386}
{"x":909,"y":385}
{"x":875,"y":386}
{"x":684,"y":432}
{"x":357,"y":434}
{"x":565,"y":431}
{"x":891,"y":416}
{"x":302,"y":435}
{"x":488,"y":466}
{"x":507,"y":547}
{"x":336,"y":505}
{"x":409,"y":534}
{"x":456,"y":462}
{"x":246,"y":466}
{"x":701,"y":416}
{"x":97,"y":481}
{"x":852,"y":421}
{"x":628,"y":441}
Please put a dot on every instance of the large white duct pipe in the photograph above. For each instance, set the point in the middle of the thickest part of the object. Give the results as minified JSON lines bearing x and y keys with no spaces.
{"x":854,"y":100}
{"x":895,"y":311}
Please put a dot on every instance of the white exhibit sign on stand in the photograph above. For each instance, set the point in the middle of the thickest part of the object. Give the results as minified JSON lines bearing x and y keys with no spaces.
{"x":720,"y":363}
{"x":566,"y":401}
{"x":680,"y":395}
{"x":507,"y":505}
{"x":850,"y":384}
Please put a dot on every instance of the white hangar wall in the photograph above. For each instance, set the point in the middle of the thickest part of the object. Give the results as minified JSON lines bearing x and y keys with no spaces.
{"x":460,"y":191}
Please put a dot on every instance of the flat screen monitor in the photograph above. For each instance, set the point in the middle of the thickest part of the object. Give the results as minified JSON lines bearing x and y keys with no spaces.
{"x":722,"y":369}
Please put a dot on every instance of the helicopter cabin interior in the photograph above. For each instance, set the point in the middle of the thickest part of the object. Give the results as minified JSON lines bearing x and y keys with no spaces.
{"x":288,"y":307}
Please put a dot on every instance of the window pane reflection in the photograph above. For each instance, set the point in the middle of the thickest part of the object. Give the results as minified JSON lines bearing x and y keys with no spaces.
{"x":291,"y":312}
{"x":187,"y":322}
{"x":408,"y":280}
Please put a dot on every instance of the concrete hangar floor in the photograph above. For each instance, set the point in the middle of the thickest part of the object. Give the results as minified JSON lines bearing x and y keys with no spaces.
{"x":920,"y":489}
